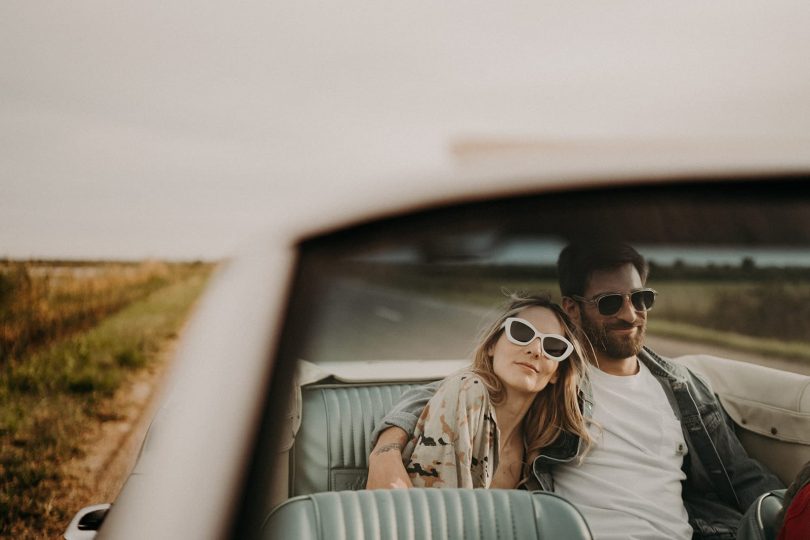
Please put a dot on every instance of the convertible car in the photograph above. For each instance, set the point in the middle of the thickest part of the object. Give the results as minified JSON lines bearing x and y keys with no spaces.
{"x":303,"y":343}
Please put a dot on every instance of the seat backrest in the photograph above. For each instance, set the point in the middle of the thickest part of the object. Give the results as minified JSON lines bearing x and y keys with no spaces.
{"x":770,"y":408}
{"x":333,"y":443}
{"x":435,"y":514}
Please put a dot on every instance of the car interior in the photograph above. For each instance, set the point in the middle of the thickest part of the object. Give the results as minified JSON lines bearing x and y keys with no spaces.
{"x":385,"y":305}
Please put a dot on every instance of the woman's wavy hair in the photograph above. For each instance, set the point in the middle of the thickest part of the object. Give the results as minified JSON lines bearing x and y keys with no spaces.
{"x":556,"y":408}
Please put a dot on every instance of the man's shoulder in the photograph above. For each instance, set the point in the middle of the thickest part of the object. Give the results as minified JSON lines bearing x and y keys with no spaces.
{"x":666,"y":367}
{"x":663,"y":366}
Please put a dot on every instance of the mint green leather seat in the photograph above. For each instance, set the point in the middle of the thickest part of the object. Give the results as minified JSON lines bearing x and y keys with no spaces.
{"x":330,"y":462}
{"x":333,"y":443}
{"x":426,"y":514}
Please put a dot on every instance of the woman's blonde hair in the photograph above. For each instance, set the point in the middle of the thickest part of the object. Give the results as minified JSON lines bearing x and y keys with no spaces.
{"x":555,"y":408}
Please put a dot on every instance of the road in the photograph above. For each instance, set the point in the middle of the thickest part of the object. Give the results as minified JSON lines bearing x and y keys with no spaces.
{"x":358,"y":321}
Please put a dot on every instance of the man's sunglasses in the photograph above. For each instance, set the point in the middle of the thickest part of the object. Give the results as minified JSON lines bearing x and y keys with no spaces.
{"x":611,"y":303}
{"x":521,"y":332}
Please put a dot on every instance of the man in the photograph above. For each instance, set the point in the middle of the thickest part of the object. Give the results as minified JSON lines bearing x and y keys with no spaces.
{"x":665,"y":462}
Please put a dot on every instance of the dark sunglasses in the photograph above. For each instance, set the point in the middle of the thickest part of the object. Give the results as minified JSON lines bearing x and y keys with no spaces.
{"x":521,"y":332}
{"x":611,"y":303}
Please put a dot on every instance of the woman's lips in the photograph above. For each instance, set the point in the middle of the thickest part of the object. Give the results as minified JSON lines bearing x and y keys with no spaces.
{"x":528,"y":366}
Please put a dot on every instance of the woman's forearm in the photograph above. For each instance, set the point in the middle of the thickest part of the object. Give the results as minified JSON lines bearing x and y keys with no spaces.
{"x":385,"y":467}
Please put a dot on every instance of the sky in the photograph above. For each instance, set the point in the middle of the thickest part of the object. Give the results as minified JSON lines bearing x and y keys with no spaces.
{"x":179,"y":129}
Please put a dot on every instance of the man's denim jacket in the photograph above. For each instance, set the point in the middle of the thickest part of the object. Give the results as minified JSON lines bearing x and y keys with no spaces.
{"x":721,"y":480}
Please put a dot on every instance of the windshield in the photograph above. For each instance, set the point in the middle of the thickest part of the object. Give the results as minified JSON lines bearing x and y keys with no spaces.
{"x":730,"y":263}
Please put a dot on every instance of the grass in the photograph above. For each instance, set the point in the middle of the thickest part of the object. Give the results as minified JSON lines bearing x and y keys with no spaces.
{"x":41,"y":303}
{"x":49,"y":397}
{"x":795,"y":350}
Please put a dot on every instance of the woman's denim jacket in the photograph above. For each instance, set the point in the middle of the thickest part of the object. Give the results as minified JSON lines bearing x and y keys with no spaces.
{"x":721,"y":480}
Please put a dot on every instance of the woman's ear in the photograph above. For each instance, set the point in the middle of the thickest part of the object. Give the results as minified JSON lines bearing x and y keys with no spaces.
{"x":554,"y":377}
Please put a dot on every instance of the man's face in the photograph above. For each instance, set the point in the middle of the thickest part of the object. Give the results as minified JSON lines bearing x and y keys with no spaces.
{"x":620,"y":335}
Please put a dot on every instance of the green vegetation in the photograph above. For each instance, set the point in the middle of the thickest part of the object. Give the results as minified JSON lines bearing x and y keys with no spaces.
{"x":732,"y":340}
{"x":766,"y":317}
{"x":51,"y":393}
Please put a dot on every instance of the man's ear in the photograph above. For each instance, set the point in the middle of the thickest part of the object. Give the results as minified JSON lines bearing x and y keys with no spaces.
{"x":571,"y":308}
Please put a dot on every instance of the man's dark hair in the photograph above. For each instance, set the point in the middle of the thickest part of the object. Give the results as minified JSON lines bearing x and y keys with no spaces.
{"x":578,"y":260}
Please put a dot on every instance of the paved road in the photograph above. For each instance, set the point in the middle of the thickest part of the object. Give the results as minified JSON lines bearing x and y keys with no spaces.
{"x":363,"y":322}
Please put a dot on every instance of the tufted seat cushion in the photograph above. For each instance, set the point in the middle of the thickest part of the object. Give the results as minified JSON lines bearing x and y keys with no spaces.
{"x":333,"y":443}
{"x":426,"y":514}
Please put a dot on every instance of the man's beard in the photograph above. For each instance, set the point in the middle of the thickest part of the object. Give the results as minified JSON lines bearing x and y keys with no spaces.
{"x":612,"y":345}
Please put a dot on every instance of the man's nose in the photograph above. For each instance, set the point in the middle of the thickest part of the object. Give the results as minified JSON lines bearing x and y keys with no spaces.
{"x":627,"y":312}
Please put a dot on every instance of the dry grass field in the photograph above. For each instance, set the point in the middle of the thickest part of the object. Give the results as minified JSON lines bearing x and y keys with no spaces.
{"x":71,"y":336}
{"x":43,"y":302}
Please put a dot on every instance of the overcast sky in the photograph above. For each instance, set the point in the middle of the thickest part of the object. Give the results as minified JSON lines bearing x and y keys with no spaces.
{"x":175,"y":129}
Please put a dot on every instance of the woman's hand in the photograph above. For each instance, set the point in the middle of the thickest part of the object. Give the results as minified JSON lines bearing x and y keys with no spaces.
{"x":385,"y":468}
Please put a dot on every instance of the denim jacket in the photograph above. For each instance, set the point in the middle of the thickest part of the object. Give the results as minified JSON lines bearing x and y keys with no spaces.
{"x":721,"y":480}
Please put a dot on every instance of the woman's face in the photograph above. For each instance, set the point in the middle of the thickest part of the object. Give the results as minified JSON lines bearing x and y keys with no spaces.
{"x":524,"y":368}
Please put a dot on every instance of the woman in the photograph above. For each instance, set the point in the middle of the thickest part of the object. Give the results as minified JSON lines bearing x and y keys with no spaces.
{"x":486,"y":423}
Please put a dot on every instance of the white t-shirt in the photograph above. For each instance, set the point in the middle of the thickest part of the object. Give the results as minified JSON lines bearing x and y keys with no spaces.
{"x":629,"y":484}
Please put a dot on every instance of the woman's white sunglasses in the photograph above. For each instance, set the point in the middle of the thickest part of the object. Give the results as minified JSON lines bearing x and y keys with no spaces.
{"x":521,"y":332}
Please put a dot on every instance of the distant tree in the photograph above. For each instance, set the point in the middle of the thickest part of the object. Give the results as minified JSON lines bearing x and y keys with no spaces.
{"x":748,"y":264}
